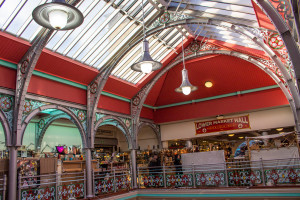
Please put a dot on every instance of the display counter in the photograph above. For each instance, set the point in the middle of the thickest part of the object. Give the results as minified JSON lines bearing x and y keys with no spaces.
{"x":76,"y":165}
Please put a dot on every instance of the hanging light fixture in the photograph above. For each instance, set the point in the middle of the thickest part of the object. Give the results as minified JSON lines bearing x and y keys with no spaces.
{"x":146,"y":64}
{"x":57,"y":15}
{"x":186,"y":87}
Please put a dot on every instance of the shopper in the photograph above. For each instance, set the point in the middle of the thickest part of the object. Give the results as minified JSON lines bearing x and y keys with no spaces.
{"x":153,"y":164}
{"x":177,"y":163}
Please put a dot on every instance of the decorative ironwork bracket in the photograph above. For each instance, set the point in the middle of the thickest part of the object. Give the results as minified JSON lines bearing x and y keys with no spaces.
{"x":24,"y":72}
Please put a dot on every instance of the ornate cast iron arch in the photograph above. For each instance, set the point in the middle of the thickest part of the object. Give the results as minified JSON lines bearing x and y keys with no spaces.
{"x":142,"y":94}
{"x":101,"y":78}
{"x":48,"y":123}
{"x":121,"y":123}
{"x":251,"y":36}
{"x":154,"y":127}
{"x":58,"y":107}
{"x":285,"y":33}
{"x":6,"y":128}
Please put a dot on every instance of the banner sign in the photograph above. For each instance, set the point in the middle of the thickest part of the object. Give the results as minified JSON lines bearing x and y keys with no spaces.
{"x":225,"y":124}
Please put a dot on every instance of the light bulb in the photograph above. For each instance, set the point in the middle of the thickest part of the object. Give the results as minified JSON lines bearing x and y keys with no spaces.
{"x":146,"y":67}
{"x":58,"y":19}
{"x":186,"y":90}
{"x":208,"y":84}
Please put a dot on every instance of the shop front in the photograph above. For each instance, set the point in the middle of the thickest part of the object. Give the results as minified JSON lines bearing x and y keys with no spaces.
{"x":226,"y":134}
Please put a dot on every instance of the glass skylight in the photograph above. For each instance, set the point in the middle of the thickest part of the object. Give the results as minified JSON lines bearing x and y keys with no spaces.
{"x":111,"y":27}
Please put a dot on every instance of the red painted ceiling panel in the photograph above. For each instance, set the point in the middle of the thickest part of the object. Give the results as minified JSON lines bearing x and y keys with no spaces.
{"x":7,"y":77}
{"x":115,"y":105}
{"x":243,"y":103}
{"x":66,"y":68}
{"x":119,"y":87}
{"x":12,"y":49}
{"x":228,"y":74}
{"x":147,"y":113}
{"x":155,"y":91}
{"x":53,"y":89}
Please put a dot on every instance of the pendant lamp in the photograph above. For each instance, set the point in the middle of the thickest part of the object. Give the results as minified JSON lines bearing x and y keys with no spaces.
{"x":146,"y":64}
{"x":57,"y":15}
{"x":186,"y":87}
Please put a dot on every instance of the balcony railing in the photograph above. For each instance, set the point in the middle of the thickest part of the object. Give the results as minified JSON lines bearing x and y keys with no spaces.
{"x":245,"y":173}
{"x":111,"y":181}
{"x":52,"y":186}
{"x":3,"y":188}
{"x":230,"y":174}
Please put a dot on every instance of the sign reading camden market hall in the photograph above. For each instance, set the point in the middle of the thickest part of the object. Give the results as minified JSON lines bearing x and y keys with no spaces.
{"x":225,"y":124}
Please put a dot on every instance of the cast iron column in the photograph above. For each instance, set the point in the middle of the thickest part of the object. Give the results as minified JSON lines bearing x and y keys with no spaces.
{"x":12,"y":177}
{"x":133,"y":168}
{"x":24,"y":72}
{"x":89,"y":177}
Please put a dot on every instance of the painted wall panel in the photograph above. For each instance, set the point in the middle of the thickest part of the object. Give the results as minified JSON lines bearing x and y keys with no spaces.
{"x":245,"y":102}
{"x":60,"y":135}
{"x":147,"y":138}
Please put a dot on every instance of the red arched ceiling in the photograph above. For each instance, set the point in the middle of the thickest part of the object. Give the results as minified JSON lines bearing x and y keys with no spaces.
{"x":228,"y":74}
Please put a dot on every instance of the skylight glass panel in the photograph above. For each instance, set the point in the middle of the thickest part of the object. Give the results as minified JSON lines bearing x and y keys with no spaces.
{"x":213,"y":10}
{"x":86,"y":39}
{"x":126,"y":58}
{"x":77,"y":34}
{"x":128,"y":63}
{"x":136,"y":77}
{"x":123,"y":42}
{"x":118,"y":2}
{"x":158,"y":53}
{"x":139,"y":78}
{"x":164,"y":54}
{"x":127,"y":73}
{"x":155,"y":48}
{"x":133,"y":76}
{"x":64,"y":39}
{"x":59,"y":36}
{"x":171,"y":35}
{"x":163,"y":33}
{"x":31,"y":31}
{"x":102,"y":57}
{"x":22,"y":15}
{"x":126,"y":4}
{"x":218,"y":5}
{"x":8,"y":11}
{"x":92,"y":48}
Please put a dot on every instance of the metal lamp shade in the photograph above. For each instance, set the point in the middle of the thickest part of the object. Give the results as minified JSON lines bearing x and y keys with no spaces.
{"x":41,"y":14}
{"x":146,"y":58}
{"x":185,"y":82}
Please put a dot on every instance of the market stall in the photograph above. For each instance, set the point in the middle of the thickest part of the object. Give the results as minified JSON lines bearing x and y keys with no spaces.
{"x":271,"y":147}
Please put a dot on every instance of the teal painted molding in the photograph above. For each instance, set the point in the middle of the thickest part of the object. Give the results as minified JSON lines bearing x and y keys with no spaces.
{"x":148,"y":106}
{"x":81,"y":86}
{"x":8,"y":64}
{"x":44,"y":75}
{"x":115,"y":96}
{"x":218,"y":96}
{"x":61,"y":80}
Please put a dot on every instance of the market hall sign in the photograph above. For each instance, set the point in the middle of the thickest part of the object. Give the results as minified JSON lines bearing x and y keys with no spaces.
{"x":226,"y":124}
